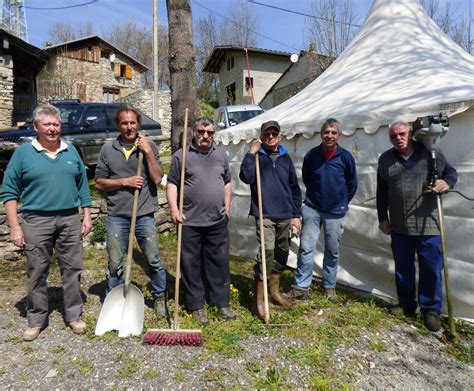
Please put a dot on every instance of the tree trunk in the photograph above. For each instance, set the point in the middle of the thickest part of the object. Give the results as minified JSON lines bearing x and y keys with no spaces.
{"x":181,"y":66}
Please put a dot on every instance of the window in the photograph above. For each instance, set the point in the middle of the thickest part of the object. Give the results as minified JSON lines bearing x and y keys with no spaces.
{"x":230,"y":63}
{"x":123,"y":70}
{"x":100,"y":114}
{"x":110,"y":94}
{"x":248,"y":83}
{"x":230,"y":94}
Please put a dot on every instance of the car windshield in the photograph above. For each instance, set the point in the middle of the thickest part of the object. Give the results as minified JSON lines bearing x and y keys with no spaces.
{"x":240,"y":116}
{"x":70,"y":114}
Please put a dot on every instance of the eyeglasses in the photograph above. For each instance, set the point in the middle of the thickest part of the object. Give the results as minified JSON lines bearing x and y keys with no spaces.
{"x":395,"y":136}
{"x":272,"y":134}
{"x":201,"y":132}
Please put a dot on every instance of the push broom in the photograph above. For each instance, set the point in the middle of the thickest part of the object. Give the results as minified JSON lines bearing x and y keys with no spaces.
{"x":175,"y":335}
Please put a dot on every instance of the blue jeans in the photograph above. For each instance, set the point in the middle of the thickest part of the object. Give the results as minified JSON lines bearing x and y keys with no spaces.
{"x":430,"y":264}
{"x":118,"y":229}
{"x":333,"y":228}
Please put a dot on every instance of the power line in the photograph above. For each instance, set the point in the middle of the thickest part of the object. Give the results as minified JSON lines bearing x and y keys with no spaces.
{"x":240,"y":26}
{"x":302,"y":13}
{"x":62,"y":8}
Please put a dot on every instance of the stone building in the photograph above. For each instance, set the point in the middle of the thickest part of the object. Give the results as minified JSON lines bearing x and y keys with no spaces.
{"x":307,"y":67}
{"x":230,"y":62}
{"x":20,"y":63}
{"x":89,"y":69}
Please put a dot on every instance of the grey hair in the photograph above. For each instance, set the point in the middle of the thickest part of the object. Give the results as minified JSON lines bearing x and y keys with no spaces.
{"x":399,"y":123}
{"x":331,"y":123}
{"x":46,"y":109}
{"x":204,"y":121}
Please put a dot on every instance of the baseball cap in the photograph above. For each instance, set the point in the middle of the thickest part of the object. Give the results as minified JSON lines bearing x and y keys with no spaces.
{"x":270,"y":124}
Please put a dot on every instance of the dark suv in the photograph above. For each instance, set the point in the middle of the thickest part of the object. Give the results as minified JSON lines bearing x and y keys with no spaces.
{"x":85,"y":125}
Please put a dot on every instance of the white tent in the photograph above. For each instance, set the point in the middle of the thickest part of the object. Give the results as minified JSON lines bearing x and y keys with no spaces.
{"x":399,"y":66}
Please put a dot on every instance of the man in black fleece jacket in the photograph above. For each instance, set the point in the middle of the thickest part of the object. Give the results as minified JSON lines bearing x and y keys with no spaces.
{"x":281,"y":201}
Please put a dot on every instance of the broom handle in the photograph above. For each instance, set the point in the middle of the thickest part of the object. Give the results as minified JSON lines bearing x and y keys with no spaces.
{"x":133,"y":221}
{"x":180,"y":225}
{"x":262,"y":239}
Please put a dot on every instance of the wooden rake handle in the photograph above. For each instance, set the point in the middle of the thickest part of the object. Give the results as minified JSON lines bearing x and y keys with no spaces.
{"x":180,"y":225}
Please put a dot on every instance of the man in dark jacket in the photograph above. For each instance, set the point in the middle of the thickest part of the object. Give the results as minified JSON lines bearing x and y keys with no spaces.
{"x":281,"y":204}
{"x":410,"y":217}
{"x":329,"y":175}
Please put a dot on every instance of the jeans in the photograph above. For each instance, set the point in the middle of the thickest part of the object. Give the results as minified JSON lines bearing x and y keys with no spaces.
{"x":118,"y":229}
{"x":277,"y":246}
{"x":333,"y":228}
{"x":430,"y":263}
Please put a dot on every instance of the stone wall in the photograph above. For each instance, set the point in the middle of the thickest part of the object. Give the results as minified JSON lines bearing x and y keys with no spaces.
{"x":143,"y":101}
{"x":99,"y":211}
{"x":6,"y":91}
{"x":68,"y":78}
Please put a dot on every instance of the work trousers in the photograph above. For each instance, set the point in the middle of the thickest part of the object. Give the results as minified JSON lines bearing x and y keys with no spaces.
{"x":430,"y":265}
{"x":277,"y":246}
{"x":44,"y":232}
{"x":205,"y":265}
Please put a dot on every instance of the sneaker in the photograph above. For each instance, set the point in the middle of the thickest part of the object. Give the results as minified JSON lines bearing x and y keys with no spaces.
{"x":160,"y":307}
{"x":296,"y":294}
{"x":400,"y":311}
{"x":330,"y":293}
{"x":432,"y":321}
{"x":226,"y":313}
{"x":78,"y":326}
{"x":201,"y":316}
{"x":31,"y":333}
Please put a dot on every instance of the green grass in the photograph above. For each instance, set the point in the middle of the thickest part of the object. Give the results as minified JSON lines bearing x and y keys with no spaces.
{"x":317,"y":326}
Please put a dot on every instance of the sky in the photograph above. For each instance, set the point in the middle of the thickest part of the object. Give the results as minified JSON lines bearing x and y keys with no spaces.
{"x":278,"y":30}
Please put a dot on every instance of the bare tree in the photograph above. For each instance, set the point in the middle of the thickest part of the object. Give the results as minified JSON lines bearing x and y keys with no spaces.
{"x":181,"y":65}
{"x":452,"y":21}
{"x":333,"y":26}
{"x":137,"y":42}
{"x":63,"y":32}
{"x":240,"y":28}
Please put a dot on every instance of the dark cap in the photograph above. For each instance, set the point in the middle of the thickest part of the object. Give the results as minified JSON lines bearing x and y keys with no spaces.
{"x":270,"y":124}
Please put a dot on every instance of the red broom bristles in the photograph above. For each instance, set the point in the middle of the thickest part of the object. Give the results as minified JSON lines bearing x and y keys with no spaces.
{"x":173,"y":337}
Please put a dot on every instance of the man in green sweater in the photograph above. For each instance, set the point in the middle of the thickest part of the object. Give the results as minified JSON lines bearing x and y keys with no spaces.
{"x":50,"y":178}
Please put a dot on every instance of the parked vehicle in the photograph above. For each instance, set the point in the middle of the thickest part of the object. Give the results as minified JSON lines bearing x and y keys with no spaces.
{"x":86,"y":125}
{"x":232,"y":115}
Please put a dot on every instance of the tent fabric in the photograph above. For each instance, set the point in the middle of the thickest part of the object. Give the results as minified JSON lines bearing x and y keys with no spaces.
{"x":398,"y":67}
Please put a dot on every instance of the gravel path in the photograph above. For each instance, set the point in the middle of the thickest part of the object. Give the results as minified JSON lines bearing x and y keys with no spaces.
{"x":397,"y":359}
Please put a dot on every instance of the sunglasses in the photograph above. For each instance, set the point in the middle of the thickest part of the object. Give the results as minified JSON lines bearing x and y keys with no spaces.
{"x":401,"y":135}
{"x":201,"y":132}
{"x":272,"y":134}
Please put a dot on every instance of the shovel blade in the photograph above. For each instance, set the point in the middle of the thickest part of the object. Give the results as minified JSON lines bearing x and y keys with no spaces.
{"x":121,"y":312}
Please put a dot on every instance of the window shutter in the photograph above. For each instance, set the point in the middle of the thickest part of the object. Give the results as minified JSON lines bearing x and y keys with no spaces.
{"x":116,"y":70}
{"x":128,"y":72}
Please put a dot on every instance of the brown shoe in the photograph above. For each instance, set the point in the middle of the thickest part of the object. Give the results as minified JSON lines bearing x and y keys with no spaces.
{"x":274,"y":291}
{"x":331,"y":294}
{"x":78,"y":326}
{"x":31,"y":333}
{"x":296,"y":294}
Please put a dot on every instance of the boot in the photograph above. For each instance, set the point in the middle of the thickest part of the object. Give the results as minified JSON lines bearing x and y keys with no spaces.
{"x":258,"y":307}
{"x":274,"y":291}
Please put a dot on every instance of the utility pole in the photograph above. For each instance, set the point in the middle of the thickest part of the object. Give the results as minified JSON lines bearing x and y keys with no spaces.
{"x":155,"y":60}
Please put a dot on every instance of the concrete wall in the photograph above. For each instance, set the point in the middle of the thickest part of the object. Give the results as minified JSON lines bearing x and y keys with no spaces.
{"x":143,"y":101}
{"x":264,"y":69}
{"x":6,"y":91}
{"x":99,"y":211}
{"x":63,"y":78}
